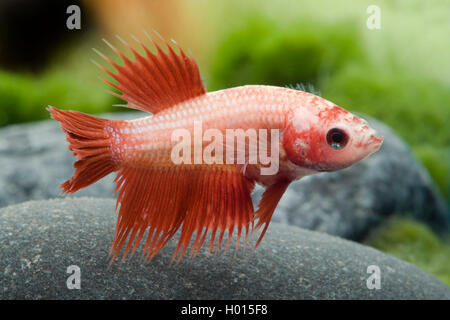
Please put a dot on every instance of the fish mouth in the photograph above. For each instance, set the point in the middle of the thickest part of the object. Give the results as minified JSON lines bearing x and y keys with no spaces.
{"x":375,"y":142}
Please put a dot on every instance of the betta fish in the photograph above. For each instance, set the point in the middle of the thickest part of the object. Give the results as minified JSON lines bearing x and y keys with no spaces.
{"x":165,"y":183}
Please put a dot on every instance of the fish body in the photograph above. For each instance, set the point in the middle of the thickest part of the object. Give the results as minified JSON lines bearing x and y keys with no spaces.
{"x":148,"y":141}
{"x":194,"y":162}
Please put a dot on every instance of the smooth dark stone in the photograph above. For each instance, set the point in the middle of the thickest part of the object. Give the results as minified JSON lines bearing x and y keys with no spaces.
{"x":39,"y":240}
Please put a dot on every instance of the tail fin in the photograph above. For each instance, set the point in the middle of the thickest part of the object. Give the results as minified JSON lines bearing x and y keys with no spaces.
{"x":90,"y":143}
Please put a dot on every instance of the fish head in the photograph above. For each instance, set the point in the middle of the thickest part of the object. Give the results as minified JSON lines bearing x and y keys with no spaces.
{"x":322,"y":136}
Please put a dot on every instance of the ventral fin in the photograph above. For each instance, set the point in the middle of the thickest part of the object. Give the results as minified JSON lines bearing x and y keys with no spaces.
{"x":155,"y":81}
{"x":267,"y":205}
{"x":198,"y":199}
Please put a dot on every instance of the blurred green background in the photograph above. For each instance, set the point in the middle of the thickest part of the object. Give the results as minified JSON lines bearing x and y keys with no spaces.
{"x":399,"y":74}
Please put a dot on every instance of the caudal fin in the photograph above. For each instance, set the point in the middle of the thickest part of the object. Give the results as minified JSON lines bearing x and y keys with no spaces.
{"x":90,"y":143}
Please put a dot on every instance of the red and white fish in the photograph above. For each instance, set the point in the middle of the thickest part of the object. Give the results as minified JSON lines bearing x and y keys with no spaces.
{"x":159,"y":196}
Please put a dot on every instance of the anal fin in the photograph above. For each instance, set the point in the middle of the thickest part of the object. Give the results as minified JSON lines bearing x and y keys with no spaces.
{"x":198,"y":199}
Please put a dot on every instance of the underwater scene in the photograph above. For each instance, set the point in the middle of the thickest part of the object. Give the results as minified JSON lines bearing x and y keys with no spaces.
{"x":120,"y":177}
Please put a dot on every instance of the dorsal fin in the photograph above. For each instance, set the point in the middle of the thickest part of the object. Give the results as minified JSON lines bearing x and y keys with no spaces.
{"x":155,"y":82}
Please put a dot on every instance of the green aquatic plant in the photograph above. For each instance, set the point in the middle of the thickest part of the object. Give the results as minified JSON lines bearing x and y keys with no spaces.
{"x":263,"y":52}
{"x":414,"y":242}
{"x":23,"y":98}
{"x":437,"y":160}
{"x":70,"y":82}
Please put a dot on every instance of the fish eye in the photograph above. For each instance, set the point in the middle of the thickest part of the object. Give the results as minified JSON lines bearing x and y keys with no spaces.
{"x":337,"y":138}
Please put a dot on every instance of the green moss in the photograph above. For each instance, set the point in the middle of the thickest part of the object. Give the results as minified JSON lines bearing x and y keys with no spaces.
{"x":437,"y":161}
{"x":414,"y":242}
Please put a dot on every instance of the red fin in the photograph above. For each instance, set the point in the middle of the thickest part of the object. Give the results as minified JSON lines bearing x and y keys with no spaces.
{"x":91,"y":145}
{"x":267,"y":205}
{"x":199,"y":199}
{"x":157,"y":81}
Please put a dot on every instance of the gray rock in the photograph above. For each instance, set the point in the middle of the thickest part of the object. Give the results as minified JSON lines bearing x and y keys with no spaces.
{"x":35,"y":160}
{"x":39,"y":240}
{"x":351,"y":202}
